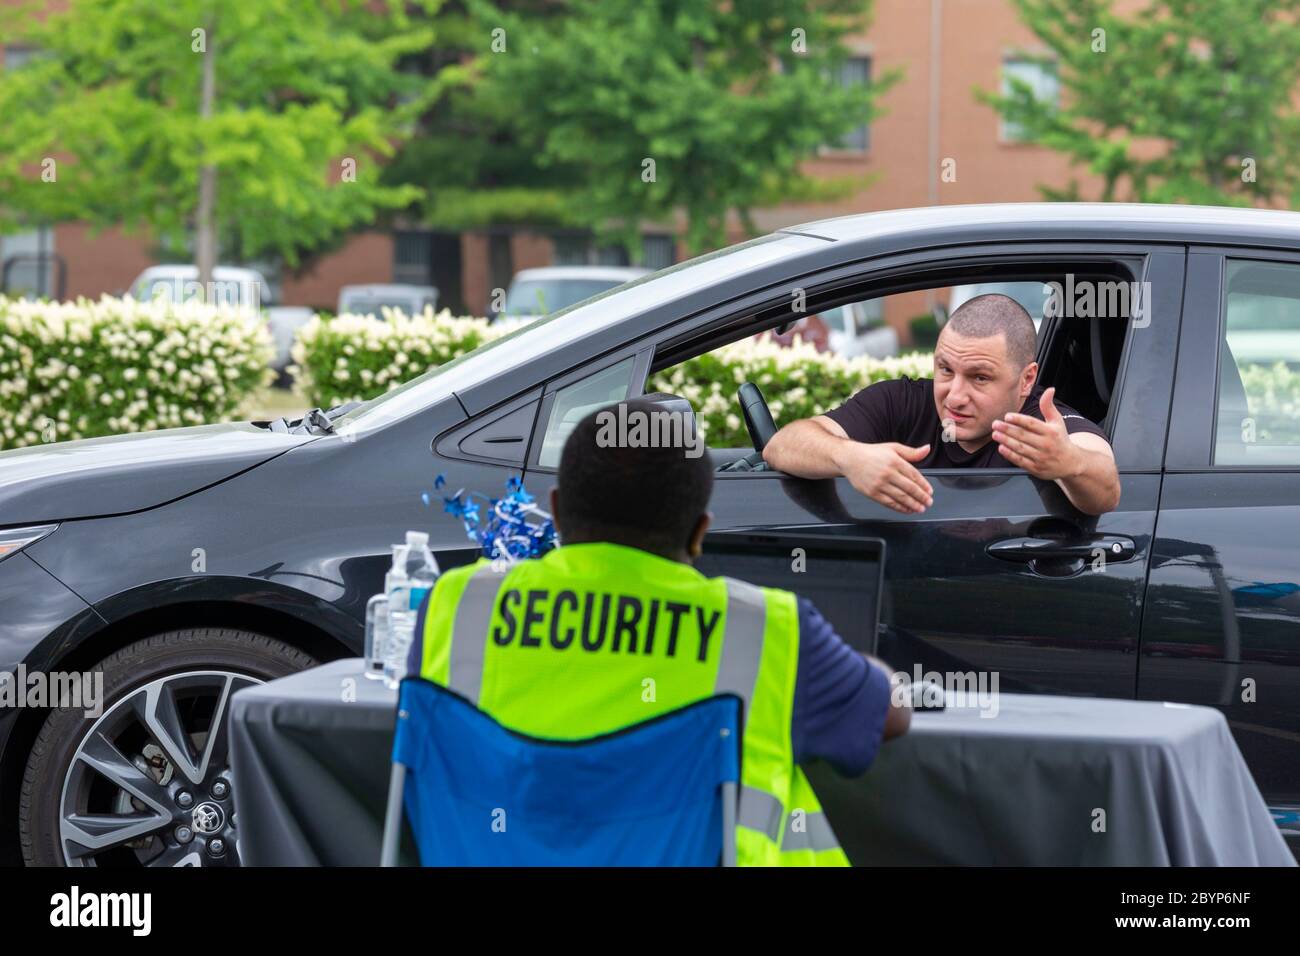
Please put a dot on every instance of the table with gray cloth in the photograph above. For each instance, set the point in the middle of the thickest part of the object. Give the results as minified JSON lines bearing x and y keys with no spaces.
{"x":1046,"y":781}
{"x":310,"y":756}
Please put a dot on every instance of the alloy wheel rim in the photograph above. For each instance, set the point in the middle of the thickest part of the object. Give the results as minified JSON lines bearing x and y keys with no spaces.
{"x":150,"y":782}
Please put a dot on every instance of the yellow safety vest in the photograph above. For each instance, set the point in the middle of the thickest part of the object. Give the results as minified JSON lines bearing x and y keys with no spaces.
{"x":592,"y":638}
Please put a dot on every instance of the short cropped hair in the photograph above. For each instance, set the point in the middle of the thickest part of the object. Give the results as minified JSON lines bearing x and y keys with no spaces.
{"x":648,"y":497}
{"x":997,"y":314}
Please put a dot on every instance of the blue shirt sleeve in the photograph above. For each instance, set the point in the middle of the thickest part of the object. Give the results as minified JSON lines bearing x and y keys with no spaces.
{"x":840,"y":699}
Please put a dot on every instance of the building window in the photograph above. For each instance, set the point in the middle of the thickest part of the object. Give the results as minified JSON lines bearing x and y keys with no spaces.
{"x":612,"y":255}
{"x":412,"y":257}
{"x":29,"y":267}
{"x":660,"y":252}
{"x":1039,"y":76}
{"x":855,"y":71}
{"x":579,"y":249}
{"x":571,"y":250}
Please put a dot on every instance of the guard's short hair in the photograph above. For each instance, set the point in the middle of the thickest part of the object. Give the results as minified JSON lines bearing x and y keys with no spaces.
{"x":997,"y":314}
{"x":640,"y":496}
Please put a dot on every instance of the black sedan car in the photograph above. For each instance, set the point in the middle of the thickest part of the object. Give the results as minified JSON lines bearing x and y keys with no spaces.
{"x":185,"y":564}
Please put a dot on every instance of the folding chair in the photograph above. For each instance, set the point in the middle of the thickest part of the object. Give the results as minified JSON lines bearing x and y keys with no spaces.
{"x":659,"y":793}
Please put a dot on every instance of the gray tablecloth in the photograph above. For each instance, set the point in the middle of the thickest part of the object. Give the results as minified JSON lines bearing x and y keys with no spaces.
{"x":1047,"y":781}
{"x":1063,"y":781}
{"x":310,"y":755}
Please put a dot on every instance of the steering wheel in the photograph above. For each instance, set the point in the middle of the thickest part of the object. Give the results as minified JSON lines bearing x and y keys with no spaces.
{"x":759,"y":424}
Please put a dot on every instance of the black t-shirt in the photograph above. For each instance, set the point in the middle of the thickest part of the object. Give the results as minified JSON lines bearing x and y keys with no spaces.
{"x":902,"y":410}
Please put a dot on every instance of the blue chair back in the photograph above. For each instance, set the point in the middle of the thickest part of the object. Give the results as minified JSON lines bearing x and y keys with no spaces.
{"x":479,"y":794}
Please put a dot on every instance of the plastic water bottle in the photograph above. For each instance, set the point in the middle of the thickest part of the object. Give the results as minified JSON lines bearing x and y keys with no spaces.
{"x":396,"y":597}
{"x":376,"y":636}
{"x":411,"y":578}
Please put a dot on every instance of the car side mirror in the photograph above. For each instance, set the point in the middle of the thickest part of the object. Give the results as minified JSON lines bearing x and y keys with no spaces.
{"x":940,"y":313}
{"x":785,"y":327}
{"x":672,"y":403}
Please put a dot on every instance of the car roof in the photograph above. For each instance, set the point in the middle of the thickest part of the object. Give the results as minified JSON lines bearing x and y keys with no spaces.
{"x":390,"y":288}
{"x":181,"y":271}
{"x":1120,"y":220}
{"x":610,"y":320}
{"x":620,"y":273}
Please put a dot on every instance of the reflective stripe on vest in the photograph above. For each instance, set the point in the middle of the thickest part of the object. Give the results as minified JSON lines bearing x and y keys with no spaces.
{"x":742,"y":642}
{"x":816,"y":834}
{"x":470,"y":632}
{"x":760,"y":811}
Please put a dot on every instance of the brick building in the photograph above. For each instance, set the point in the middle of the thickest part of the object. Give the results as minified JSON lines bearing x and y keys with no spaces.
{"x":946,"y":48}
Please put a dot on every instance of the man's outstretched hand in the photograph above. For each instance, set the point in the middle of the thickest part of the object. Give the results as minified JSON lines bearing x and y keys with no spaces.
{"x":1042,"y":448}
{"x":886,"y":473}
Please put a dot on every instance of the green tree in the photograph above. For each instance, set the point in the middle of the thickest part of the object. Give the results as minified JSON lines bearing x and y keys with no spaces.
{"x":264,"y":123}
{"x":1177,"y":101}
{"x":650,"y":108}
{"x":473,"y":167}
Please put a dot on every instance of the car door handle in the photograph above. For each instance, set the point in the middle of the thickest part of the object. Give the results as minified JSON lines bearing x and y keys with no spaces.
{"x":1114,"y":547}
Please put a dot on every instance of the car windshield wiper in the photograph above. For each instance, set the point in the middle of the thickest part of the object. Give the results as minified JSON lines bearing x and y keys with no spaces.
{"x":318,"y":421}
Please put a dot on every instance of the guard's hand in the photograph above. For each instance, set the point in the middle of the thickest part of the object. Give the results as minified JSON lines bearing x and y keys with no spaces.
{"x":1042,"y":448}
{"x":885,"y":473}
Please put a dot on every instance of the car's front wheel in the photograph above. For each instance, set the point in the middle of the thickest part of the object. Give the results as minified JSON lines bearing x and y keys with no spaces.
{"x":147,"y":782}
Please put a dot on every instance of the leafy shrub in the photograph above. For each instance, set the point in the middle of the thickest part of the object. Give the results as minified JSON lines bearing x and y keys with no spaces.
{"x":359,"y":357}
{"x":88,"y":368}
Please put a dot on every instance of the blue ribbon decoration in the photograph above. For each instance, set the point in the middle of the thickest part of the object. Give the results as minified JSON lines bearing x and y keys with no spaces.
{"x":510,"y":529}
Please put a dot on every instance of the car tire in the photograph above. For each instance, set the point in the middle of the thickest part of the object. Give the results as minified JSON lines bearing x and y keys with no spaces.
{"x":179,"y":681}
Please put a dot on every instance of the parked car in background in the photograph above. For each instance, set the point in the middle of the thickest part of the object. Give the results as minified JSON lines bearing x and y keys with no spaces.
{"x":850,"y":331}
{"x":373,"y":299}
{"x":537,"y":292}
{"x":859,"y":328}
{"x":1032,"y":295}
{"x":234,"y":285}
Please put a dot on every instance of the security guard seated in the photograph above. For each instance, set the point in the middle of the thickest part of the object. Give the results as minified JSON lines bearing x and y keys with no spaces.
{"x":615,"y":627}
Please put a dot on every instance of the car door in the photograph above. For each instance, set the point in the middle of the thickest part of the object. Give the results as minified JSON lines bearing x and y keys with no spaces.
{"x":1222,"y":625}
{"x":963,"y":590}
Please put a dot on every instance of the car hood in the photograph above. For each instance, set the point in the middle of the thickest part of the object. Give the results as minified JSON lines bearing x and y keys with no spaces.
{"x":123,"y":473}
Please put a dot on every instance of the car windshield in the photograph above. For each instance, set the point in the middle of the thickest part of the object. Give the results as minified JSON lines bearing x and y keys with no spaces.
{"x":569,"y":326}
{"x":543,"y":296}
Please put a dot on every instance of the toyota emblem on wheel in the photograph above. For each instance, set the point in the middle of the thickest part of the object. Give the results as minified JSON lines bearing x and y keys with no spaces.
{"x":208,"y":818}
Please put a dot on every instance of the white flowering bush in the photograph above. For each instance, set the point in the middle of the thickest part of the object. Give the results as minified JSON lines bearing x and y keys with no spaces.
{"x":359,"y":357}
{"x":1273,"y":394}
{"x":88,"y":368}
{"x":798,"y":382}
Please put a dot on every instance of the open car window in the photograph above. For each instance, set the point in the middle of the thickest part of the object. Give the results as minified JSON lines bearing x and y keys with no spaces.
{"x":804,"y":376}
